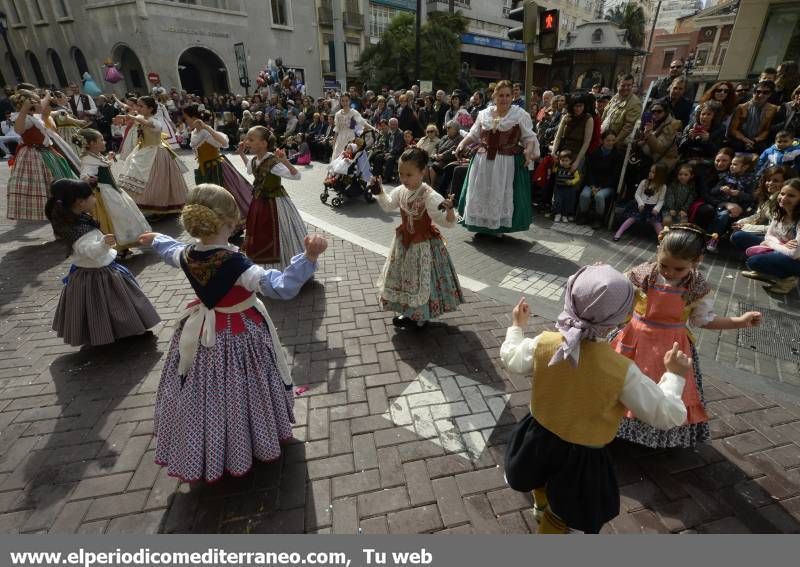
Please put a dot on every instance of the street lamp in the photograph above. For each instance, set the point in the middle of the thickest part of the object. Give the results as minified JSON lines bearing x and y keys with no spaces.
{"x":13,"y":60}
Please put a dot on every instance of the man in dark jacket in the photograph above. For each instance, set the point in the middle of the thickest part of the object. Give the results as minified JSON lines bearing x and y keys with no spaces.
{"x":396,"y":147}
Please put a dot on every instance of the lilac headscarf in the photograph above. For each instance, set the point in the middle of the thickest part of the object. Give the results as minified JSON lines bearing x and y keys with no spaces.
{"x":597,"y":298}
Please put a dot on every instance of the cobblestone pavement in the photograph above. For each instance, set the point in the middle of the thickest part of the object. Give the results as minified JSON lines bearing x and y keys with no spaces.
{"x":398,"y":432}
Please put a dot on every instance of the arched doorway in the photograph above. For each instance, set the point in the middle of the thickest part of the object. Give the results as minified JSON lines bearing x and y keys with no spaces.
{"x":12,"y":63}
{"x":131,"y":68}
{"x":80,"y":61}
{"x":202,"y":72}
{"x":33,"y":61}
{"x":55,"y":61}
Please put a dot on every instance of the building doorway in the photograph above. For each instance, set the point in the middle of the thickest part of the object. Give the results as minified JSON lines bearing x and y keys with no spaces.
{"x":55,"y":61}
{"x":131,"y":69}
{"x":202,"y":72}
{"x":33,"y":61}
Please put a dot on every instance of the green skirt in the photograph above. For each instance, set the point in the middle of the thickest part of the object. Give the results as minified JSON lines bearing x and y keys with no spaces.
{"x":522,"y":217}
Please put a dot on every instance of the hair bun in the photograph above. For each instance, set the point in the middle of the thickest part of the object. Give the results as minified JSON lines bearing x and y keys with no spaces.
{"x":200,"y":221}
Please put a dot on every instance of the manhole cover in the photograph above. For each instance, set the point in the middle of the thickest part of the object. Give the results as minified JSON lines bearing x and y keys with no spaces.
{"x":778,"y":335}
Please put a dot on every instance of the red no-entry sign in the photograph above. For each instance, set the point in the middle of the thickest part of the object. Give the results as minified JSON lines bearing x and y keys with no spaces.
{"x":153,"y":78}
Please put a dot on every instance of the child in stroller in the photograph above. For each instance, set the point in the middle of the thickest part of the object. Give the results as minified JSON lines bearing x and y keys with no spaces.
{"x":350,"y":175}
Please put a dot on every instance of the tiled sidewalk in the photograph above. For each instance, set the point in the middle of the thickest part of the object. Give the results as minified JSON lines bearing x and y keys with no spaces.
{"x":398,"y":432}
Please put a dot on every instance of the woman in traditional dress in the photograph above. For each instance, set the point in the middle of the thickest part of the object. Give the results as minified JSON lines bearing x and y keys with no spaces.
{"x":36,"y":163}
{"x":347,"y":123}
{"x":152,"y":174}
{"x":212,"y":166}
{"x":496,"y":195}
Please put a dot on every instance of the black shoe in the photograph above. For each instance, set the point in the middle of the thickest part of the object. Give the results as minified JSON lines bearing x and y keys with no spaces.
{"x":400,"y":322}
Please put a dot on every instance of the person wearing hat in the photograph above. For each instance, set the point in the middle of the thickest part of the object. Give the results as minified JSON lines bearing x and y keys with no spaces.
{"x":581,"y":389}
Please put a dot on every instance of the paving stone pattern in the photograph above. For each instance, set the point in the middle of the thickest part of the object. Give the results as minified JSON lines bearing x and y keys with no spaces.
{"x":398,"y":432}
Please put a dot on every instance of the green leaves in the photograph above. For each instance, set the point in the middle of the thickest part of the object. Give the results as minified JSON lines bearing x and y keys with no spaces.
{"x":631,"y":18}
{"x":391,"y":61}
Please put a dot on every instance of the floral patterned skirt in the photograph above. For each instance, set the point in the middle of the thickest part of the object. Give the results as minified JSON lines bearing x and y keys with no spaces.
{"x":420,"y":281}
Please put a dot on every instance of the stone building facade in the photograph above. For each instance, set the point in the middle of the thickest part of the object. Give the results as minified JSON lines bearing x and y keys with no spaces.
{"x":189,"y":44}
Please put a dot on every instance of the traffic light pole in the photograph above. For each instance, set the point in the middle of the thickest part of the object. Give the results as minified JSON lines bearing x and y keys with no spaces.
{"x":530,"y":58}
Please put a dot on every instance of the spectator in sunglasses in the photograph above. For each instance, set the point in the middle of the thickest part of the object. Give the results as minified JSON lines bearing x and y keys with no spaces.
{"x":662,"y":85}
{"x":743,"y":92}
{"x":750,"y":126}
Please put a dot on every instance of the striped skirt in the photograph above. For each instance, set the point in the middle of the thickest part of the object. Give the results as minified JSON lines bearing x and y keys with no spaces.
{"x":275,"y":231}
{"x":101,"y":305}
{"x":28,"y":188}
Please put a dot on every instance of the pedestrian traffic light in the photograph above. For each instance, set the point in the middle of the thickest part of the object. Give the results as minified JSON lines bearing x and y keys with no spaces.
{"x":548,"y":31}
{"x":527,"y":15}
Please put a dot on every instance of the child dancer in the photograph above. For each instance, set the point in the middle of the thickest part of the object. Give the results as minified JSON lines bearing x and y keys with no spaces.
{"x":766,"y":195}
{"x":212,"y":166}
{"x":418,"y":280}
{"x":581,"y":388}
{"x":649,"y":200}
{"x":670,"y":293}
{"x":733,"y":195}
{"x":226,"y":390}
{"x":101,"y":301}
{"x":152,"y":173}
{"x":116,"y":212}
{"x":275,"y":231}
{"x":680,"y":196}
{"x":36,"y":163}
{"x":775,"y":257}
{"x":565,"y":193}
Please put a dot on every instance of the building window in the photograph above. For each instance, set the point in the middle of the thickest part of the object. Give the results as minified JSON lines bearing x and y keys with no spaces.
{"x":15,"y":16}
{"x":61,"y":9}
{"x":597,"y":36}
{"x":780,"y":40}
{"x":380,"y":17}
{"x":669,"y":56}
{"x":36,"y":10}
{"x":352,"y":53}
{"x":281,"y":13}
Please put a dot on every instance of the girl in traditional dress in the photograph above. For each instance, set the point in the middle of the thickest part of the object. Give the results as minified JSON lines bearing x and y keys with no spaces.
{"x":418,"y":281}
{"x":162,"y":113}
{"x":212,"y":166}
{"x":225,"y":394}
{"x":275,"y":231}
{"x":116,"y":211}
{"x":670,"y":293}
{"x":36,"y":163}
{"x":101,"y":301}
{"x":497,"y":195}
{"x":152,"y":174}
{"x":580,"y":389}
{"x":130,"y":137}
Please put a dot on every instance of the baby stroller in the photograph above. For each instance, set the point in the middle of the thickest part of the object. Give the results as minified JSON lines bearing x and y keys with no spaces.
{"x":349,"y":176}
